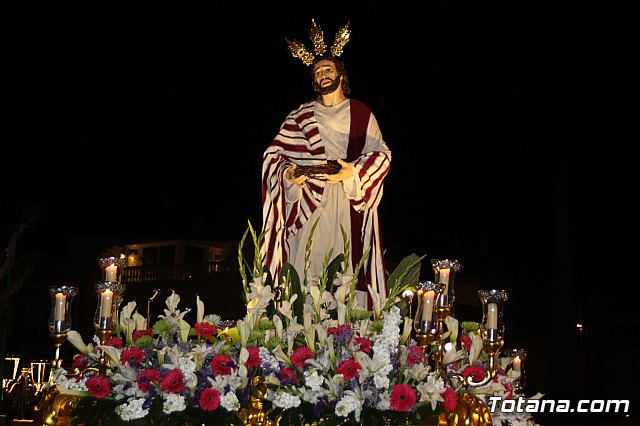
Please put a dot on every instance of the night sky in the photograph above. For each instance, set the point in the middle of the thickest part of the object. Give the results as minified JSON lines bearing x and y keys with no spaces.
{"x":138,"y":119}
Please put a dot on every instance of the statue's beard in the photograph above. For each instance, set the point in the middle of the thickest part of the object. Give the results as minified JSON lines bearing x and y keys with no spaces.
{"x":330,"y":88}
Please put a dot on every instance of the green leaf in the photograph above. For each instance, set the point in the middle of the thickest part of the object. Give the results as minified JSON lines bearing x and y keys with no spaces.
{"x":332,"y":271}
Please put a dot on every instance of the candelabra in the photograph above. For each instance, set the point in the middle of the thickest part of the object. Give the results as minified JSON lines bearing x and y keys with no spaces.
{"x":425,"y":323}
{"x":518,"y":358}
{"x":491,"y":331}
{"x":109,"y":292}
{"x":60,"y":317}
{"x":445,"y":272}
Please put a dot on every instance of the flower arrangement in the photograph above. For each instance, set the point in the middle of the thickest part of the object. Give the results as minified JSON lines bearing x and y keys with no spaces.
{"x":305,"y":348}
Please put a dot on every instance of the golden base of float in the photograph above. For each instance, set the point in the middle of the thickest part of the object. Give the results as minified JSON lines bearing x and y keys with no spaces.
{"x":54,"y":409}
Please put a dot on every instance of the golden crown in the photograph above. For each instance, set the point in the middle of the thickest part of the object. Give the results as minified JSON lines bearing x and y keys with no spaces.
{"x":298,"y":49}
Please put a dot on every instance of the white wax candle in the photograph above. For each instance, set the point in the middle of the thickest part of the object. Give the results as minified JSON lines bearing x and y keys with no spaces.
{"x":444,"y":276}
{"x":106,"y":300}
{"x":427,"y":305}
{"x":492,"y":316}
{"x":59,"y":307}
{"x":111,"y":272}
{"x":516,"y":363}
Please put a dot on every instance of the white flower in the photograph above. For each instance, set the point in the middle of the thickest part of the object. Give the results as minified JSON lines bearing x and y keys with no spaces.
{"x":230,"y":401}
{"x":431,"y":390}
{"x":346,"y":405}
{"x":132,"y":410}
{"x":173,"y":402}
{"x":285,"y":400}
{"x":313,"y":380}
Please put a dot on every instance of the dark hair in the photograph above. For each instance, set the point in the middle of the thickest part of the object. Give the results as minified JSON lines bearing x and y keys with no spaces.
{"x":339,"y":68}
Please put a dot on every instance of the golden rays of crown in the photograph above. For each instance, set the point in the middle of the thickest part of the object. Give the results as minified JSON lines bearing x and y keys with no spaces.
{"x":298,"y":49}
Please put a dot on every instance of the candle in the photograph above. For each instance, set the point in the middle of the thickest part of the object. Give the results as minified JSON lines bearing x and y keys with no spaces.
{"x":492,"y":316}
{"x":444,"y":276}
{"x":106,"y":299}
{"x":516,"y":363}
{"x":427,"y":305}
{"x":59,"y":307}
{"x":444,"y":279}
{"x":111,"y":272}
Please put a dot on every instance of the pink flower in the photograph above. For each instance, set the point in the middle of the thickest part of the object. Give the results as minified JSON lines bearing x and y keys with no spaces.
{"x":206,"y":330}
{"x":254,"y":358}
{"x":221,"y":364}
{"x":116,"y":342}
{"x":450,"y":399}
{"x":349,"y":368}
{"x":132,"y":355}
{"x":146,"y":377}
{"x":98,"y":386}
{"x":173,"y":381}
{"x":475,"y":371}
{"x":402,"y":397}
{"x":209,"y":399}
{"x":300,"y":355}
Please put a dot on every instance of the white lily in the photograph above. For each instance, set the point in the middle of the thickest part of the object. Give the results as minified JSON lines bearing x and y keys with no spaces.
{"x":452,"y":355}
{"x":316,"y":297}
{"x":431,"y":390}
{"x":321,"y":331}
{"x":286,"y":307}
{"x":406,"y":331}
{"x":476,"y":347}
{"x":76,"y":340}
{"x":127,"y":311}
{"x":113,"y":353}
{"x":200,"y":352}
{"x":452,"y":326}
{"x":244,"y":329}
{"x":279,"y":353}
{"x":141,"y":322}
{"x":342,"y":312}
{"x":199,"y":309}
{"x":129,"y":325}
{"x":184,"y":329}
{"x":277,"y":324}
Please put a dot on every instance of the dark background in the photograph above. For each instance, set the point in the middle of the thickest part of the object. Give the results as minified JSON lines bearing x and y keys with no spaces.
{"x":511,"y":125}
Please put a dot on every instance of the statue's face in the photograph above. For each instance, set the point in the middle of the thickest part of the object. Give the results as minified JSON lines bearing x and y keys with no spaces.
{"x":325,"y":76}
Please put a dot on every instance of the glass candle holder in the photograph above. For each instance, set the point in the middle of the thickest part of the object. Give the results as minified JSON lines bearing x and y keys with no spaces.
{"x":425,"y":319}
{"x":106,"y":314}
{"x":492,"y":324}
{"x":518,"y":358}
{"x":60,"y":315}
{"x":445,"y":273}
{"x":112,"y":267}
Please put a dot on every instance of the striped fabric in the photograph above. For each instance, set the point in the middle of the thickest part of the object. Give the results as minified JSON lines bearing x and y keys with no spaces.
{"x":299,"y":141}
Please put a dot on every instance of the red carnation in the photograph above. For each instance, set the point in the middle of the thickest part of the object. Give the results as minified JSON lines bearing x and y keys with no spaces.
{"x":98,"y":386}
{"x":206,"y":330}
{"x":402,"y":397}
{"x":173,"y":381}
{"x":221,"y":364}
{"x":466,"y":342}
{"x":132,"y":355}
{"x":349,"y":368}
{"x":364,"y":343}
{"x":146,"y":377}
{"x":209,"y":399}
{"x":116,"y":342}
{"x":80,"y":362}
{"x":450,"y":399}
{"x":254,"y":358}
{"x":287,"y":375}
{"x":475,"y":371}
{"x":300,"y":355}
{"x":414,"y":355}
{"x":139,"y":333}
